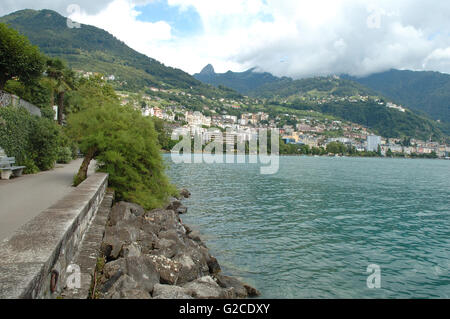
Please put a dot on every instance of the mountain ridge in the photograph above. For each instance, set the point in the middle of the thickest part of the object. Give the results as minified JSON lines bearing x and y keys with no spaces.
{"x":425,"y":91}
{"x":92,"y":49}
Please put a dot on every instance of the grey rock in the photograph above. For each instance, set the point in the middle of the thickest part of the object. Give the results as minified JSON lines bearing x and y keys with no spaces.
{"x":229,"y":282}
{"x":131,"y":250}
{"x":134,"y":294}
{"x":124,"y":211}
{"x":170,"y":292}
{"x":207,"y":288}
{"x":251,"y":291}
{"x":140,"y":269}
{"x":168,"y":269}
{"x":194,"y":264}
{"x":185,"y":193}
{"x":181,"y":210}
{"x":213,"y":265}
{"x":195,"y":236}
{"x":173,"y":204}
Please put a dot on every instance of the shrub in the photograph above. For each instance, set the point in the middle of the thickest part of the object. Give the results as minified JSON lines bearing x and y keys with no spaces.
{"x":125,"y":145}
{"x":64,"y":155}
{"x":44,"y":143}
{"x":15,"y":130}
{"x":32,"y":140}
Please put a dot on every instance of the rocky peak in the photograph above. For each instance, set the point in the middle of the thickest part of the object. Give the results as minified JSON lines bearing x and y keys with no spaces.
{"x":208,"y":70}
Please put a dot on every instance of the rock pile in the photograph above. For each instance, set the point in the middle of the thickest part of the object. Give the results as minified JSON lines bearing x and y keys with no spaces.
{"x":152,"y":254}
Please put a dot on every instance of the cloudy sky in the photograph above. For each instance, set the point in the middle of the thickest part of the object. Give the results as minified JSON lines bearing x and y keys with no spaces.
{"x":285,"y":37}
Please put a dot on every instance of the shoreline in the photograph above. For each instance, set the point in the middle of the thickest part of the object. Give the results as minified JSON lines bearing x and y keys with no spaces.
{"x":165,"y":152}
{"x":154,"y":255}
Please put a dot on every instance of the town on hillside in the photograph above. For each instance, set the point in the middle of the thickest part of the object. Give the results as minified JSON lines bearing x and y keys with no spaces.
{"x":244,"y":119}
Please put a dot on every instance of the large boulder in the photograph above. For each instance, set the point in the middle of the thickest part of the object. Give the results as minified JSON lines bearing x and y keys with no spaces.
{"x":251,"y":291}
{"x":124,"y":211}
{"x":207,"y":288}
{"x":161,"y":220}
{"x":170,"y":292}
{"x":167,"y":268}
{"x":194,"y":263}
{"x":185,"y":193}
{"x":229,"y":282}
{"x":140,"y":270}
{"x":133,"y":294}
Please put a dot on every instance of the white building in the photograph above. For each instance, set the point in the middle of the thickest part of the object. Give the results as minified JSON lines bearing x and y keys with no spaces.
{"x":373,"y":142}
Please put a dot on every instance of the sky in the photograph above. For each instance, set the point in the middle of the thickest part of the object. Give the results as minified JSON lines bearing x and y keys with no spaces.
{"x":293,"y":38}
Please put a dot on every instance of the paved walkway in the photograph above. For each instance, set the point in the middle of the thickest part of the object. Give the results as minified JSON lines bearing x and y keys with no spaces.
{"x":23,"y":198}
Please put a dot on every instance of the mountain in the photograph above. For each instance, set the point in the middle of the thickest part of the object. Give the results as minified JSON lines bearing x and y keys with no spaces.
{"x":427,"y":92}
{"x":243,"y":82}
{"x":266,"y":85}
{"x":333,"y":95}
{"x":92,"y":49}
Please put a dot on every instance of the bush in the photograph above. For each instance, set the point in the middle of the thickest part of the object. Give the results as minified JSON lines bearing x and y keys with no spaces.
{"x":15,"y":130}
{"x":125,"y":145}
{"x":32,"y":140}
{"x":44,"y":143}
{"x":64,"y":155}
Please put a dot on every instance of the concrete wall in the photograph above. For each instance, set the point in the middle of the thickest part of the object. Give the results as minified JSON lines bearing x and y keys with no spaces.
{"x":10,"y":99}
{"x":48,"y":243}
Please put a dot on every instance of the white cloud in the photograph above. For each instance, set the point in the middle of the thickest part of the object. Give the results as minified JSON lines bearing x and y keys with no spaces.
{"x":120,"y":18}
{"x":287,"y":37}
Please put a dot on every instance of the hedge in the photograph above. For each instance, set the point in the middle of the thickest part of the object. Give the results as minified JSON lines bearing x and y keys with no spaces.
{"x":32,"y":140}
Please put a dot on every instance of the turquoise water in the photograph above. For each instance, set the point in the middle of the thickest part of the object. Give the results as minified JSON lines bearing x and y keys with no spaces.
{"x":312,"y":229}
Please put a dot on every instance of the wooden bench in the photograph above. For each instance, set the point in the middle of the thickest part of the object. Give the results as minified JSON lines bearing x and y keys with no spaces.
{"x":7,"y":168}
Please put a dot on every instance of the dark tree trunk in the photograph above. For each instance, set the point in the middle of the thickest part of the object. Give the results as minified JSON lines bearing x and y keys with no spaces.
{"x":2,"y":82}
{"x":60,"y":107}
{"x":82,"y":172}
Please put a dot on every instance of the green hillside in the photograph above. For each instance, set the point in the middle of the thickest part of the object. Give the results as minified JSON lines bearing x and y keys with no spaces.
{"x":332,"y":95}
{"x":265,"y":85}
{"x":92,"y":49}
{"x":243,"y":82}
{"x":427,"y":92}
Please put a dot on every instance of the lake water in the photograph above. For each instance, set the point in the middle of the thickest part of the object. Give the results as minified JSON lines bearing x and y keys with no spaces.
{"x":312,"y":229}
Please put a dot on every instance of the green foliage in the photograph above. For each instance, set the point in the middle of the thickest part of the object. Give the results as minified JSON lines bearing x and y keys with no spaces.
{"x":89,"y":92}
{"x":126,"y":147}
{"x":44,"y":141}
{"x":64,"y":155}
{"x":92,"y":49}
{"x":164,"y":134}
{"x":15,"y":130}
{"x":387,"y":122}
{"x":336,"y":148}
{"x":18,"y":58}
{"x":427,"y":92}
{"x":33,"y":141}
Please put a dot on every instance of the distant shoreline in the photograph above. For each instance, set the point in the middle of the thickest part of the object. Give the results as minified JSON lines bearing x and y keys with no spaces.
{"x":328,"y":156}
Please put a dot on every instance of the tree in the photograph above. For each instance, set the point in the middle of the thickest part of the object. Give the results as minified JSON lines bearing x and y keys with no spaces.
{"x":18,"y":58}
{"x":389,"y":153}
{"x":124,"y":143}
{"x":336,"y":148}
{"x":63,"y":81}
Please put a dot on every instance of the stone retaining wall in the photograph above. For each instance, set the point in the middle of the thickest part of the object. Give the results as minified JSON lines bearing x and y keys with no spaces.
{"x":33,"y":261}
{"x":10,"y":99}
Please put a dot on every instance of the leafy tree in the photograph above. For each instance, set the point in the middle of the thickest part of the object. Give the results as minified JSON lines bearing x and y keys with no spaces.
{"x":124,"y":143}
{"x":33,"y":141}
{"x":336,"y":148}
{"x":389,"y":153}
{"x":18,"y":58}
{"x":63,"y":81}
